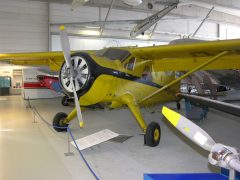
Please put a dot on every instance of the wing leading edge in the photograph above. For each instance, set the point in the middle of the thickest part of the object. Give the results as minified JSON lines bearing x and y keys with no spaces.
{"x":183,"y":57}
{"x":52,"y":59}
{"x":177,"y":57}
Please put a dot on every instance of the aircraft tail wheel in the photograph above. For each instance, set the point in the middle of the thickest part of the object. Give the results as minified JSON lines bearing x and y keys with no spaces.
{"x":58,"y":122}
{"x":153,"y":134}
{"x":65,"y":101}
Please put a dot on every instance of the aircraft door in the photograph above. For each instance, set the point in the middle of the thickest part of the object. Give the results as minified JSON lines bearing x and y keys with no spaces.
{"x":127,"y":84}
{"x":147,"y":73}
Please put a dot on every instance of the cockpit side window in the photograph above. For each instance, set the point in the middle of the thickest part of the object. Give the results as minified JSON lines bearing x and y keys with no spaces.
{"x":147,"y":74}
{"x":130,"y":64}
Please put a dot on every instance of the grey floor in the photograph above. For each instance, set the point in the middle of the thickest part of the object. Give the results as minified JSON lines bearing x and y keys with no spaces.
{"x":34,"y":151}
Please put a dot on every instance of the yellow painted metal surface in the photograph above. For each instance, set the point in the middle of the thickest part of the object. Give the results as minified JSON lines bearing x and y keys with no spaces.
{"x":129,"y":100}
{"x":185,"y":75}
{"x":171,"y":115}
{"x":52,"y":59}
{"x":187,"y":129}
{"x":102,"y":90}
{"x":81,"y":124}
{"x":70,"y":116}
{"x":153,"y":72}
{"x":189,"y":50}
{"x":156,"y":134}
{"x":231,"y":61}
{"x":180,"y":57}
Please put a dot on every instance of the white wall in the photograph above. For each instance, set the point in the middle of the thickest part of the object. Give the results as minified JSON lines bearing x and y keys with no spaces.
{"x":229,"y":31}
{"x":23,"y":26}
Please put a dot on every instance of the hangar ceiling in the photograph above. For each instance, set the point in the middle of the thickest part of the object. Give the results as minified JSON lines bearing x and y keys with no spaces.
{"x":188,"y":16}
{"x":27,"y":21}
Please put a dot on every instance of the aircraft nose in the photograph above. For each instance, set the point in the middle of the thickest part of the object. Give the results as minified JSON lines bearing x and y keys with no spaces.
{"x":81,"y":74}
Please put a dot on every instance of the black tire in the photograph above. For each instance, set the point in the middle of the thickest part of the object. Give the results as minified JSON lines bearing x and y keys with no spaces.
{"x":65,"y":101}
{"x":58,"y":122}
{"x":153,"y":134}
{"x":178,"y":106}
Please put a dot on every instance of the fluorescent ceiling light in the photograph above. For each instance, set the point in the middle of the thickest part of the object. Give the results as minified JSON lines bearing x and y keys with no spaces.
{"x":90,"y":32}
{"x":93,"y":27}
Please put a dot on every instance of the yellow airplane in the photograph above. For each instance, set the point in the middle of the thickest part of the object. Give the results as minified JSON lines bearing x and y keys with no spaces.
{"x":129,"y":76}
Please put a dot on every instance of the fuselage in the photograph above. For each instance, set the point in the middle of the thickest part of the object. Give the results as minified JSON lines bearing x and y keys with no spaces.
{"x":115,"y":72}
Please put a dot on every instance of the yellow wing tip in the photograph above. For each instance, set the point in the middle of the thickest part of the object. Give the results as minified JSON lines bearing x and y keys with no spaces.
{"x":62,"y":27}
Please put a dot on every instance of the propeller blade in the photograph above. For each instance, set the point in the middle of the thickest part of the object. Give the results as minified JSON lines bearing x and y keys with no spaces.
{"x":65,"y":46}
{"x":67,"y":56}
{"x":189,"y":129}
{"x":77,"y":104}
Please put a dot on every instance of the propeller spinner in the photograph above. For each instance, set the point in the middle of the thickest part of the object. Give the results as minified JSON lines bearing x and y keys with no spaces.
{"x":81,"y":74}
{"x":220,"y":155}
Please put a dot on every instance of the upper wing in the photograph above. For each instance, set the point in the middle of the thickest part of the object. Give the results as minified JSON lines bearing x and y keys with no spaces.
{"x":180,"y":57}
{"x":52,"y":59}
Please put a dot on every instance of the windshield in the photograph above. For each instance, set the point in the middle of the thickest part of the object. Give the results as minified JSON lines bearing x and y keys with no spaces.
{"x":113,"y":54}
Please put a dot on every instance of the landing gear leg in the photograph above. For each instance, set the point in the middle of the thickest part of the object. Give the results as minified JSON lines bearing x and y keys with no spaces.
{"x":65,"y":101}
{"x":152,"y":131}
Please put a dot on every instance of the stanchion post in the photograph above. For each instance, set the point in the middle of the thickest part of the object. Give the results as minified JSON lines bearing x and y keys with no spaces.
{"x":28,"y":103}
{"x":34,"y":116}
{"x":232,"y":174}
{"x":69,"y":153}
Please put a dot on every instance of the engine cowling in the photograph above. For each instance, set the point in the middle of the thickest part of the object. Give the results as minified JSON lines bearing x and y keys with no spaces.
{"x":81,"y":72}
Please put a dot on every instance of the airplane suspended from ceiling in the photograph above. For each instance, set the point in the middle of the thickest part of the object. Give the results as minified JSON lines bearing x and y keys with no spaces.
{"x":128,"y":2}
{"x":132,"y":2}
{"x":140,"y":25}
{"x":148,"y":22}
{"x":131,"y":76}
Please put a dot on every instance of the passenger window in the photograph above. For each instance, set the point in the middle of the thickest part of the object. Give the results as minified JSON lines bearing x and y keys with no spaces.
{"x":130,"y":64}
{"x":147,"y":74}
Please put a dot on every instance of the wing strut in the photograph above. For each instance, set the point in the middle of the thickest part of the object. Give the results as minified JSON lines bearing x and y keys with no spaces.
{"x":53,"y":63}
{"x":185,"y":75}
{"x":221,"y":106}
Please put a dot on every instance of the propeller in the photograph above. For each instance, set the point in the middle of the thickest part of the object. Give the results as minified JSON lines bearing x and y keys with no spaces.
{"x":220,"y":155}
{"x":67,"y":56}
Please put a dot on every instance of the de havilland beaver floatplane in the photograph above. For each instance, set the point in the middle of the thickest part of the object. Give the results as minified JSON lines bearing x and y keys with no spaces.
{"x":131,"y":76}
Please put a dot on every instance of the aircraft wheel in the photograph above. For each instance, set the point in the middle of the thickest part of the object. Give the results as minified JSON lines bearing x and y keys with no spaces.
{"x":153,"y":134}
{"x":65,"y":101}
{"x":58,"y":122}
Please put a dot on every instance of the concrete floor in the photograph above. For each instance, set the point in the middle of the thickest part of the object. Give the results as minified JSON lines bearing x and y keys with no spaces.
{"x":34,"y":151}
